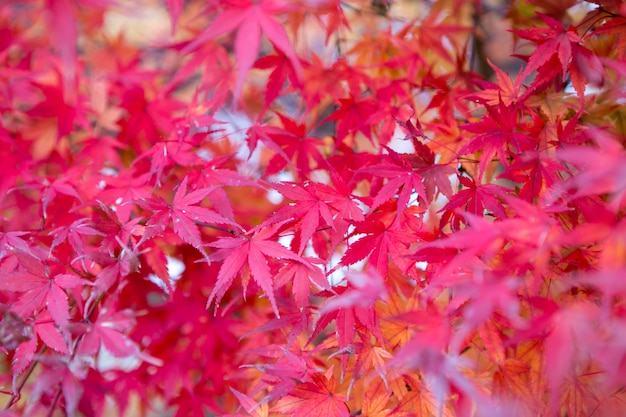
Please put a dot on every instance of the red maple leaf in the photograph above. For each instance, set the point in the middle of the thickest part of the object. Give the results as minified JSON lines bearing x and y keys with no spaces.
{"x":482,"y":296}
{"x":183,"y":214}
{"x":122,"y":189}
{"x":353,"y":115}
{"x":283,"y":71}
{"x":302,"y":276}
{"x":601,"y":169}
{"x":402,"y":180}
{"x":252,"y":408}
{"x":560,"y":49}
{"x":380,"y":242}
{"x":248,"y":254}
{"x":553,"y":40}
{"x":323,"y":81}
{"x":109,"y":330}
{"x":436,"y":177}
{"x":315,"y":398}
{"x":434,"y":34}
{"x":52,"y":189}
{"x":504,"y":90}
{"x":74,"y":234}
{"x":55,"y":106}
{"x":474,"y":199}
{"x":250,"y":19}
{"x":367,"y":288}
{"x":288,"y":369}
{"x":353,"y":310}
{"x":297,"y":145}
{"x":40,"y":286}
{"x":536,"y":171}
{"x":427,"y":351}
{"x":215,"y":176}
{"x":147,"y":119}
{"x":168,"y":154}
{"x":498,"y":133}
{"x":13,"y":240}
{"x":309,"y":206}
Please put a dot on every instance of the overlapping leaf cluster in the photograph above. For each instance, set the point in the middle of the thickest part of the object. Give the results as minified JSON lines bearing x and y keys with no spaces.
{"x":312,"y":208}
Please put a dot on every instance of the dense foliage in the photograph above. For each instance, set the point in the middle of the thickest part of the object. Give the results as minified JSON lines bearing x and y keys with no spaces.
{"x":313,"y":208}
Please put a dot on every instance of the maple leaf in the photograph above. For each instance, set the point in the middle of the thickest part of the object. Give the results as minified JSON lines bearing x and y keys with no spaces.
{"x":310,"y":205}
{"x":341,"y":204}
{"x":55,"y":106}
{"x":374,"y":405}
{"x":296,"y":145}
{"x":505,"y":91}
{"x":66,"y":377}
{"x":250,"y":19}
{"x":283,"y":71}
{"x":117,"y":231}
{"x":252,"y":408}
{"x":536,"y":171}
{"x":342,"y":199}
{"x":10,"y":241}
{"x":63,"y":22}
{"x":108,"y":331}
{"x":52,"y":188}
{"x":294,"y":316}
{"x":442,"y":371}
{"x":146,"y":118}
{"x":498,"y":133}
{"x":353,"y":310}
{"x":353,"y":115}
{"x":24,"y":355}
{"x":250,"y":251}
{"x":558,"y":46}
{"x":183,"y":214}
{"x":368,"y":287}
{"x":380,"y":244}
{"x":553,"y":40}
{"x":402,"y":179}
{"x":446,"y":96}
{"x":601,"y":169}
{"x":466,"y":249}
{"x":483,"y":296}
{"x":433,"y":33}
{"x":50,"y":334}
{"x":167,"y":154}
{"x":121,"y":189}
{"x":40,"y":286}
{"x":289,"y":369}
{"x":436,"y":177}
{"x":302,"y":276}
{"x":315,"y":398}
{"x":324,"y":81}
{"x":74,"y":235}
{"x":569,"y":325}
{"x":418,"y":400}
{"x":216,"y":178}
{"x":475,"y":199}
{"x":335,"y":19}
{"x":368,"y":357}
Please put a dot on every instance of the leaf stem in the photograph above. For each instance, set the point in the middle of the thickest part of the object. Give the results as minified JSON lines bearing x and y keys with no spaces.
{"x":214,"y":227}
